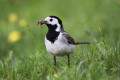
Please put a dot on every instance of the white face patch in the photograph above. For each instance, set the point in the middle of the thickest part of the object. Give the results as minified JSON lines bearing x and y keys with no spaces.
{"x":53,"y":21}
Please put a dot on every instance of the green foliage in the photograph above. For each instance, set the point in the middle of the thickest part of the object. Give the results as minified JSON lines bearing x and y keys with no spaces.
{"x":96,"y":21}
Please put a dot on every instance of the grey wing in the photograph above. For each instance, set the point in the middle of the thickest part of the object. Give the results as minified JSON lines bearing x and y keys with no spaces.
{"x":68,"y":38}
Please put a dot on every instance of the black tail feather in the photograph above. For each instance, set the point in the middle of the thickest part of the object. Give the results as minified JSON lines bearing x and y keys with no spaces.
{"x":77,"y":43}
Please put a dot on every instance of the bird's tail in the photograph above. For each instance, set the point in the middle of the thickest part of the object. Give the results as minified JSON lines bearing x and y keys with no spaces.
{"x":78,"y":43}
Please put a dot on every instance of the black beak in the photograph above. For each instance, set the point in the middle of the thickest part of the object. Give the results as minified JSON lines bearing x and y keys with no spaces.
{"x":42,"y":22}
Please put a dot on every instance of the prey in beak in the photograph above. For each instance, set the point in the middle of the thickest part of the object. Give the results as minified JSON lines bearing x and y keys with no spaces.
{"x":42,"y":22}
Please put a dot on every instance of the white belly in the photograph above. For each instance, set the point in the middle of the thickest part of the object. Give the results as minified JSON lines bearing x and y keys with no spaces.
{"x":59,"y":48}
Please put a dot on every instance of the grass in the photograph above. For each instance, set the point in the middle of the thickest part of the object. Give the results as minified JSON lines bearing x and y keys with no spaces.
{"x":92,"y":21}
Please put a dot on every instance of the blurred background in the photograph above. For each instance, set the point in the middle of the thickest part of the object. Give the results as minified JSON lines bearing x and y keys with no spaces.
{"x":92,"y":21}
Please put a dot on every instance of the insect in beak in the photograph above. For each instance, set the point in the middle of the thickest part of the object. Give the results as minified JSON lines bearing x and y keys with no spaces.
{"x":42,"y":22}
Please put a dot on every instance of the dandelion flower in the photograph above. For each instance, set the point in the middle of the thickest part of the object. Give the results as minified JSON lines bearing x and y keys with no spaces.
{"x":14,"y":36}
{"x":22,"y":22}
{"x":13,"y":17}
{"x":56,"y":75}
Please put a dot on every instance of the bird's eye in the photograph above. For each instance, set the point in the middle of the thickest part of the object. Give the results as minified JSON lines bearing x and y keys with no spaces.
{"x":51,"y":19}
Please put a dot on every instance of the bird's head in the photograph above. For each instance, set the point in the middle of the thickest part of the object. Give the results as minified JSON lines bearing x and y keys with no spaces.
{"x":53,"y":22}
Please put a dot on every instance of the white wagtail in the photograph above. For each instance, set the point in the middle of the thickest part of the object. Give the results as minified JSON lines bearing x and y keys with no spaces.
{"x":57,"y":41}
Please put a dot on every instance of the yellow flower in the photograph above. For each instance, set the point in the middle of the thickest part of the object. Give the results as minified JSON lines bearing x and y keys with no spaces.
{"x":56,"y":75}
{"x":13,"y":17}
{"x":14,"y":36}
{"x":22,"y":22}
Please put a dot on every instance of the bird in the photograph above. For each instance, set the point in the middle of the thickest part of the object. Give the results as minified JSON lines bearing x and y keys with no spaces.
{"x":57,"y":41}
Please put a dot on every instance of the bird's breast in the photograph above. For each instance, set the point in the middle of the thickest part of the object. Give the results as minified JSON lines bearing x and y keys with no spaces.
{"x":59,"y":47}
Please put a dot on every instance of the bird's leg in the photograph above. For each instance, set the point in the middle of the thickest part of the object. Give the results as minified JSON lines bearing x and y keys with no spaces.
{"x":54,"y":60}
{"x":68,"y":59}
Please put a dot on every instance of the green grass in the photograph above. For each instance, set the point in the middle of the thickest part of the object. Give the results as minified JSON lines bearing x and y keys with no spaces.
{"x":92,"y":21}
